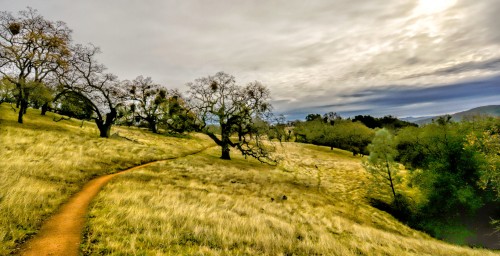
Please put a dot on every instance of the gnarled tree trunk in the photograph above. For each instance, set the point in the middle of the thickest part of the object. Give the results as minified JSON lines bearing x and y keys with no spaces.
{"x":225,"y":143}
{"x":105,"y":126}
{"x":225,"y":152}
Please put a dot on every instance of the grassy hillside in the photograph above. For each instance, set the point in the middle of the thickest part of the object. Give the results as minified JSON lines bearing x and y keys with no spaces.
{"x":201,"y":205}
{"x":492,"y":110}
{"x":42,"y":163}
{"x":313,"y":203}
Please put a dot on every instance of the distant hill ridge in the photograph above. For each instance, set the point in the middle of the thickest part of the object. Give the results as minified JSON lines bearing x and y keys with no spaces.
{"x":490,"y":110}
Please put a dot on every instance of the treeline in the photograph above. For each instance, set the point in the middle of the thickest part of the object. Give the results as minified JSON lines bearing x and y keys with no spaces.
{"x":41,"y":67}
{"x":454,"y":166}
{"x":333,"y":131}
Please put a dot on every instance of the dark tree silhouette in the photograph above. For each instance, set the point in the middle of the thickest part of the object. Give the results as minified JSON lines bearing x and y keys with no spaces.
{"x":312,"y":117}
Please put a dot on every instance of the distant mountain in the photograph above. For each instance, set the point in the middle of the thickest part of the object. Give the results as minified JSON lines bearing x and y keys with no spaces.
{"x":492,"y":110}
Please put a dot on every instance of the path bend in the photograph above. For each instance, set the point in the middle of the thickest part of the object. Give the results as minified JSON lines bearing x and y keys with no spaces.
{"x":61,"y":234}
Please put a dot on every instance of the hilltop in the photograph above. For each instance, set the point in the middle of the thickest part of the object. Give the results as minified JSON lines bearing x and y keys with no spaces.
{"x":314,"y":202}
{"x":491,"y":110}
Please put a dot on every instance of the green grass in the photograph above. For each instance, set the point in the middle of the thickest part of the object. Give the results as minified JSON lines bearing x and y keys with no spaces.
{"x":198,"y":204}
{"x":43,"y":163}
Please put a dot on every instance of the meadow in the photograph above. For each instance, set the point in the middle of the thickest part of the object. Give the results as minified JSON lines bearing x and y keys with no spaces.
{"x":44,"y":162}
{"x":313,"y":203}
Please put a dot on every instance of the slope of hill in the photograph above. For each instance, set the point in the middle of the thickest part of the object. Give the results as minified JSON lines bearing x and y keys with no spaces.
{"x":491,"y":110}
{"x":43,"y":162}
{"x":313,"y":203}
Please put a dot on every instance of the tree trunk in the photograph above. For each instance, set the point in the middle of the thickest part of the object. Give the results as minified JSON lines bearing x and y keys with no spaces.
{"x":45,"y":107}
{"x":225,"y":152}
{"x":105,"y":126}
{"x":152,"y":126}
{"x":22,"y":111}
{"x":104,"y":129}
{"x":20,"y":116}
{"x":390,"y":180}
{"x":225,"y":144}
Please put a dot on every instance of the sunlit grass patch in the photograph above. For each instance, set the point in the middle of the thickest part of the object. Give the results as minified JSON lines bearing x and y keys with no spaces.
{"x":42,"y":163}
{"x":201,"y":205}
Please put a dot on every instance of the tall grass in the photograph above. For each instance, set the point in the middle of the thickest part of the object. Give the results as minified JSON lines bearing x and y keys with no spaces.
{"x":42,"y":163}
{"x":312,"y":204}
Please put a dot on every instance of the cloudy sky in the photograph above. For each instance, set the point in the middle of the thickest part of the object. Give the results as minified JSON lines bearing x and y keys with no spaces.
{"x":378,"y":57}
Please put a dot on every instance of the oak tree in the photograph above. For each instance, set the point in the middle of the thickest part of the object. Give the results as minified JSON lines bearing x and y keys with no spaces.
{"x":31,"y":50}
{"x":87,"y":80}
{"x":218,"y":100}
{"x":149,"y":101}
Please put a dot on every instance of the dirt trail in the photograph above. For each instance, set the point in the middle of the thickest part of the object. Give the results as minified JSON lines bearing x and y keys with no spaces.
{"x":61,"y":234}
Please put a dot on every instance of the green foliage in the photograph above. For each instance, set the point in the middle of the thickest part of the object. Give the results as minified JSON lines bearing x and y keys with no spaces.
{"x":40,"y":94}
{"x":487,"y":146}
{"x":73,"y":106}
{"x":388,"y":122}
{"x":455,"y":165}
{"x":453,"y":232}
{"x":7,"y":91}
{"x":344,"y":134}
{"x":177,"y":118}
{"x":313,"y":117}
{"x":381,"y":162}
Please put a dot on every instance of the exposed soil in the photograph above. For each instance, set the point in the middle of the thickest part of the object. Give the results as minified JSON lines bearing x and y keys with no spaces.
{"x":61,"y":234}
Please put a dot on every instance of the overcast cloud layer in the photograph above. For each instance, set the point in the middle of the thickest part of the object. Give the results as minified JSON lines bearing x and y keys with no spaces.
{"x":415,"y":57}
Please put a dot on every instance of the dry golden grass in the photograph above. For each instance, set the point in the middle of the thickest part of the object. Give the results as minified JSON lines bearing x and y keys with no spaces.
{"x":194,"y":205}
{"x":42,"y":163}
{"x":201,"y":205}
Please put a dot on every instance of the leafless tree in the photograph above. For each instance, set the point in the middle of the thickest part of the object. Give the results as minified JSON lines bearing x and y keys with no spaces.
{"x":86,"y":79}
{"x":236,"y":109}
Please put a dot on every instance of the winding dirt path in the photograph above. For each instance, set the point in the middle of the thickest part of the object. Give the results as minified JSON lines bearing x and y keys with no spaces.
{"x":61,"y":234}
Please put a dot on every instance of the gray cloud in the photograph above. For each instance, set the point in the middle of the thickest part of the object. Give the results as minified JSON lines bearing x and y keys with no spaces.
{"x":489,"y":65}
{"x":310,"y":53}
{"x":404,"y":101}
